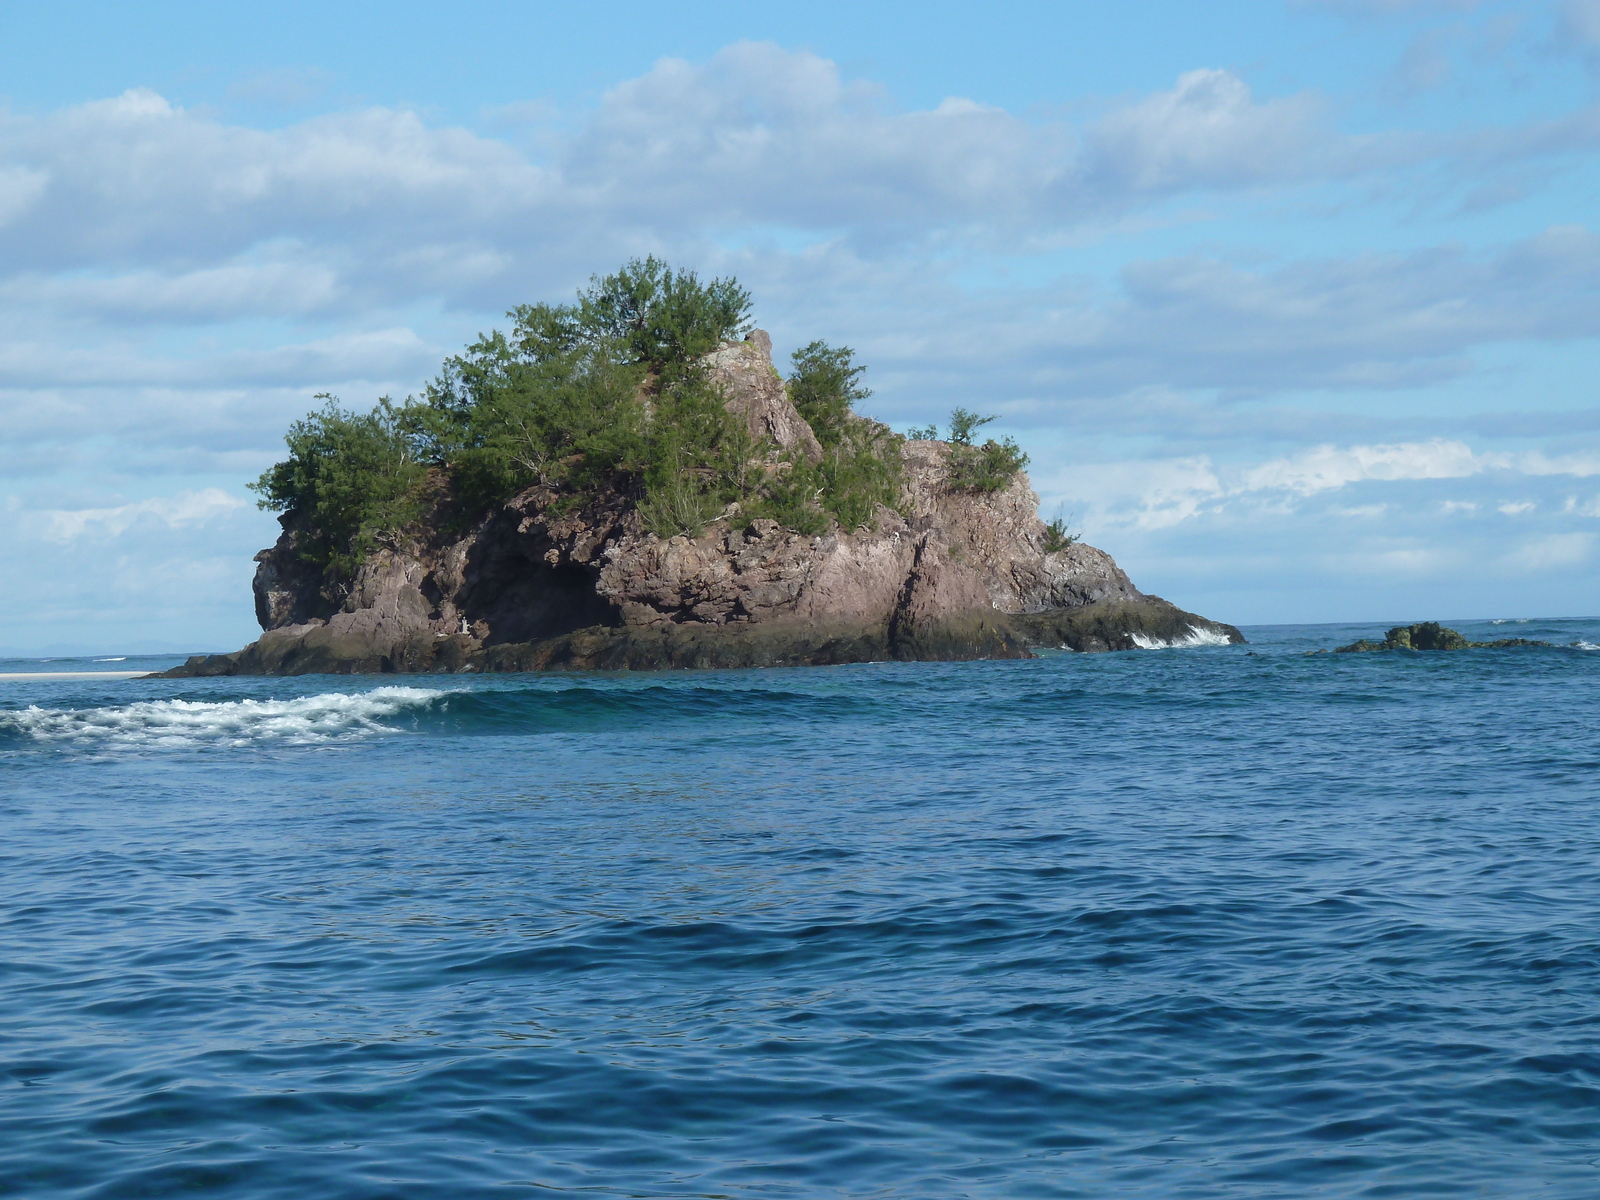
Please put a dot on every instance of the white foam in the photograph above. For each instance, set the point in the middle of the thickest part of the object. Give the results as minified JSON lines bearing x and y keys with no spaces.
{"x":1195,"y":637}
{"x":1580,"y":644}
{"x":330,"y":717}
{"x":124,"y":658}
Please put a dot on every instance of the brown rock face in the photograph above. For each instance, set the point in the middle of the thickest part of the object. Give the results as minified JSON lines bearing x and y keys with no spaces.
{"x":757,"y":393}
{"x":948,"y":575}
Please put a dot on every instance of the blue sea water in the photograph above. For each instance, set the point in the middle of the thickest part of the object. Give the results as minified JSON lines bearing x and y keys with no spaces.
{"x":1202,"y":922}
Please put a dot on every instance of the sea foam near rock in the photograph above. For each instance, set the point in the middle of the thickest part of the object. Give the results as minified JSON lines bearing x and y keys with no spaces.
{"x":1195,"y":637}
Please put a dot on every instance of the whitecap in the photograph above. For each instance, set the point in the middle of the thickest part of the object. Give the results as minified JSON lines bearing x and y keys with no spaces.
{"x":1195,"y":637}
{"x":329,"y":717}
{"x":1580,"y":644}
{"x":124,"y":658}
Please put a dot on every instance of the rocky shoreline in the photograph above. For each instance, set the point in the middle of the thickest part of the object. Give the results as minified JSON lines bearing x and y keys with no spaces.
{"x":1093,"y":628}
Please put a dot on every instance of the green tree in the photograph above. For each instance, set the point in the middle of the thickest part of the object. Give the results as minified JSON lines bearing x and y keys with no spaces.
{"x":963,"y":424}
{"x":351,"y":480}
{"x":660,"y":318}
{"x":825,"y":386}
{"x":609,"y":393}
{"x":608,"y":390}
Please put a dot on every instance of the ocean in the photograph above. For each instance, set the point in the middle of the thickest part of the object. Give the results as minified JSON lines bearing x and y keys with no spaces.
{"x":1197,"y":922}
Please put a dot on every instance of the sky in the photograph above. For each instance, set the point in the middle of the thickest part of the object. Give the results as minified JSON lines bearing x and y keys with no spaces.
{"x":1293,"y":304}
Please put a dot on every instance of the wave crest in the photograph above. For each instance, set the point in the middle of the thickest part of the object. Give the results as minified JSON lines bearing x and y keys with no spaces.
{"x":332,"y":716}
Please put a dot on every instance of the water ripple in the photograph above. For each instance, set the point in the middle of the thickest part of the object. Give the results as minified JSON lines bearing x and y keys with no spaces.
{"x":1188,"y":924}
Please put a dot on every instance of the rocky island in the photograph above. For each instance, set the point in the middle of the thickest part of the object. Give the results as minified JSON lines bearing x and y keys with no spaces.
{"x":628,"y":482}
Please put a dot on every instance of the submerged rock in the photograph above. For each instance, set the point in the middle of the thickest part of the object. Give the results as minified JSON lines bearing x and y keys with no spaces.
{"x":949,"y":574}
{"x":1429,"y":635}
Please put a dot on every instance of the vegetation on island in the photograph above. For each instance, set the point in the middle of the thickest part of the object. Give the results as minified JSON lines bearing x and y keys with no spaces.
{"x":606,"y":394}
{"x":1059,"y":534}
{"x":976,"y":468}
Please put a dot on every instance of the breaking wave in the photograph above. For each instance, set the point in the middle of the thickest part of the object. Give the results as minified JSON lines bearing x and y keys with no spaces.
{"x":330,"y":717}
{"x":1196,"y":637}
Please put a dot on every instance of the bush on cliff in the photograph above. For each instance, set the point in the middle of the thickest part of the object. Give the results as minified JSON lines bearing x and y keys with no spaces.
{"x":351,"y":478}
{"x":861,"y":465}
{"x":1059,"y":534}
{"x":985,"y":468}
{"x":973,"y":468}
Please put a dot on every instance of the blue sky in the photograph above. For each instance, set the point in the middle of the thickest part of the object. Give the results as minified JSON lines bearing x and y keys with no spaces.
{"x":1294,"y":304}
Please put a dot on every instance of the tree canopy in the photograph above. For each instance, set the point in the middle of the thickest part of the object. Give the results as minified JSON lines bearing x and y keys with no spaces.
{"x":607,"y":392}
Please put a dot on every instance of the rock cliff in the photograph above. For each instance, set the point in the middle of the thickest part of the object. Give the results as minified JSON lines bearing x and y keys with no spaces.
{"x":950,"y":574}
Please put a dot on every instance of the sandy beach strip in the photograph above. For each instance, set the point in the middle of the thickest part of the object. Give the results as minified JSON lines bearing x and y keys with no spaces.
{"x":44,"y":676}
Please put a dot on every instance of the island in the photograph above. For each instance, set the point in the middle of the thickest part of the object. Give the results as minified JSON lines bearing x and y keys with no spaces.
{"x":627,"y":482}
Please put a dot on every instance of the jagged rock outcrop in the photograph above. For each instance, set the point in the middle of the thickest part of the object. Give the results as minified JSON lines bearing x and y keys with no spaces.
{"x":951,"y":574}
{"x":756,"y":392}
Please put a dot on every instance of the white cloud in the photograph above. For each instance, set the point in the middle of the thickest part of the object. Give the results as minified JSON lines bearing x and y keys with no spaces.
{"x":1361,"y":510}
{"x":1413,"y":561}
{"x":183,"y":509}
{"x":1177,"y":325}
{"x":1328,"y":467}
{"x":362,"y":355}
{"x":20,"y":189}
{"x":1554,"y":551}
{"x":1208,"y":131}
{"x":1159,"y":494}
{"x":136,"y":181}
{"x":210,"y":294}
{"x":756,"y":136}
{"x":138,"y":211}
{"x":1537,"y":462}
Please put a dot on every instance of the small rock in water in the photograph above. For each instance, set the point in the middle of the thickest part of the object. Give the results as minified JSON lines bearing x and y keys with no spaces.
{"x":1429,"y":635}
